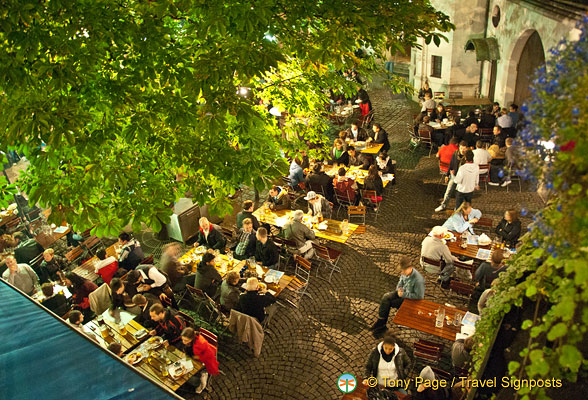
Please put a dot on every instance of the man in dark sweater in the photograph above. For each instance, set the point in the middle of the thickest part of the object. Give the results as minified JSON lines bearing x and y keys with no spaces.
{"x":207,"y":277}
{"x":252,"y":302}
{"x":266,"y":250}
{"x":168,"y":324}
{"x":144,"y":302}
{"x":247,"y":213}
{"x":54,"y":302}
{"x":319,"y":182}
{"x":27,"y":249}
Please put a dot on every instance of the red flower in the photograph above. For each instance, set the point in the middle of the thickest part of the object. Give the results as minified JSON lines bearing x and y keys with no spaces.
{"x":569,"y":146}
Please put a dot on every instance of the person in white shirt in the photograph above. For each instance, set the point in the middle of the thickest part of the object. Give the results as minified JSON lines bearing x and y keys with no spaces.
{"x":388,"y":362}
{"x":504,"y":121}
{"x":429,"y":103}
{"x":467,"y":180}
{"x":434,"y":248}
{"x":481,"y":156}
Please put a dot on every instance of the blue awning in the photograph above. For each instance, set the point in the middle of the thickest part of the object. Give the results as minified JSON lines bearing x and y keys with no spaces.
{"x":43,"y":358}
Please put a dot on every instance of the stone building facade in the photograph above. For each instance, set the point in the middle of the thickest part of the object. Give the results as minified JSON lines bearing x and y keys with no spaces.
{"x":495,"y":48}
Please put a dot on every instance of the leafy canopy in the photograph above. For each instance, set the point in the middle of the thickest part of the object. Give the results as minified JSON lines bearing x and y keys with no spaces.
{"x":127,"y":95}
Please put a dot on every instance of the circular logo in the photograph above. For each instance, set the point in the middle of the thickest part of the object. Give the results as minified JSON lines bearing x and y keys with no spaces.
{"x":346,"y":383}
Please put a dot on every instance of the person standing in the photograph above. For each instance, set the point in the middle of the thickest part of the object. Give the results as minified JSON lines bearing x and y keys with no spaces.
{"x":411,"y":285}
{"x":467,"y":180}
{"x":457,"y":160}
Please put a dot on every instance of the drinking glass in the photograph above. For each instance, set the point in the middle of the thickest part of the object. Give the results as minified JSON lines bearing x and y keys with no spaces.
{"x":122,"y":328}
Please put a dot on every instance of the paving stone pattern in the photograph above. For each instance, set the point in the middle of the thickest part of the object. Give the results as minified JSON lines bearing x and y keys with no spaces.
{"x":309,"y":347}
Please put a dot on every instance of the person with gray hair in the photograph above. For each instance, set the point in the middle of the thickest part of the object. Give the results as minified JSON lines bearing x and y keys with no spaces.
{"x":302,"y":235}
{"x":435,"y":249}
{"x":20,"y":276}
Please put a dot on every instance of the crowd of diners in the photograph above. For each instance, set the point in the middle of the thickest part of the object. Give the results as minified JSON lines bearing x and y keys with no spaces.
{"x":149,"y":291}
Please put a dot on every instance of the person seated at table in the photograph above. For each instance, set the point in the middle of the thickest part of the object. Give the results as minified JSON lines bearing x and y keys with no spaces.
{"x":460,"y":353}
{"x":207,"y":277}
{"x":373,"y":181}
{"x":115,"y":348}
{"x":504,"y":120}
{"x":54,"y":265}
{"x":439,"y":113}
{"x":345,"y":187}
{"x":302,"y":235}
{"x":411,"y":285}
{"x":147,"y":278}
{"x":26,"y":251}
{"x":487,"y":119}
{"x":254,"y":301}
{"x":356,"y":133}
{"x":278,"y":199}
{"x":338,"y":153}
{"x":496,"y":164}
{"x":357,"y":159}
{"x":196,"y":345}
{"x":498,"y":137}
{"x":177,"y":273}
{"x":487,"y":272}
{"x":380,"y":137}
{"x":318,"y":181}
{"x":266,"y":251}
{"x":471,"y":118}
{"x":481,"y":156}
{"x":445,"y":153}
{"x":229,"y":292}
{"x":80,"y":288}
{"x":342,"y":136}
{"x":55,"y":302}
{"x":509,"y":228}
{"x":425,"y":90}
{"x":427,"y":391}
{"x":388,"y":362}
{"x":424,"y":126}
{"x":106,"y":267}
{"x":168,"y":324}
{"x":318,"y":205}
{"x":435,"y":249}
{"x":304,"y":160}
{"x":120,"y":297}
{"x":247,"y":212}
{"x":471,"y":135}
{"x":384,"y":163}
{"x":296,"y":174}
{"x":210,"y":237}
{"x":144,"y":302}
{"x":463,"y":219}
{"x":244,"y":248}
{"x":131,"y":253}
{"x":76,"y":319}
{"x":428,"y":103}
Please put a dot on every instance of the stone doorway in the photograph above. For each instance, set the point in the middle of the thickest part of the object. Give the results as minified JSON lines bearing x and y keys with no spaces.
{"x":532,"y":57}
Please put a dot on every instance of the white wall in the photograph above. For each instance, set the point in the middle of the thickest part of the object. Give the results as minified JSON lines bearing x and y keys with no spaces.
{"x":516,"y":25}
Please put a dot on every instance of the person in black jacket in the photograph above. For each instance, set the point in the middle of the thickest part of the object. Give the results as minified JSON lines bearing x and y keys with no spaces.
{"x":247,"y":212}
{"x":168,"y":324}
{"x":384,"y":163}
{"x":278,"y":199}
{"x":53,"y":265}
{"x":486,"y":273}
{"x":54,"y":302}
{"x":487,"y":119}
{"x":253,"y":302}
{"x":207,"y":277}
{"x":26,"y":251}
{"x":209,"y":237}
{"x":509,"y":228}
{"x":318,"y":181}
{"x":131,"y":253}
{"x":388,"y":351}
{"x":144,"y":302}
{"x":266,"y":250}
{"x":380,"y":136}
{"x":373,"y":181}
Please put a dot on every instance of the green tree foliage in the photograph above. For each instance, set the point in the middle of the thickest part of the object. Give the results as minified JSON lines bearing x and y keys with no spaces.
{"x":127,"y":95}
{"x":550,"y":270}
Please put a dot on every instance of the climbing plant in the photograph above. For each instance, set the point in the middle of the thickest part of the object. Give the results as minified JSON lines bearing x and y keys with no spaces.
{"x":550,"y":270}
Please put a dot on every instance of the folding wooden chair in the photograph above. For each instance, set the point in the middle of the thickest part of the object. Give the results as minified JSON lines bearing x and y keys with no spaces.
{"x":485,"y":224}
{"x":371,"y":198}
{"x":287,"y":250}
{"x":425,"y":138}
{"x":514,"y":177}
{"x":484,"y":176}
{"x":356,"y":214}
{"x":461,"y":289}
{"x":196,"y":295}
{"x":428,"y":351}
{"x":328,"y":257}
{"x":299,"y":284}
{"x":74,"y":254}
{"x":343,"y":200}
{"x":147,"y":260}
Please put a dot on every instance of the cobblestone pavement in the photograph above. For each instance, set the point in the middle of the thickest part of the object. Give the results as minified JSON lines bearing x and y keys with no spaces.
{"x":309,"y":347}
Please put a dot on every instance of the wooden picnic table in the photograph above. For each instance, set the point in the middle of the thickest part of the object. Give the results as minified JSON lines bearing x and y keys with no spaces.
{"x":279,"y":218}
{"x":471,"y":251}
{"x":371,"y":148}
{"x":8,"y":216}
{"x":86,"y":270}
{"x":354,"y":172}
{"x":420,"y":315}
{"x":151,"y":366}
{"x":127,"y":341}
{"x":283,"y":284}
{"x":47,"y":240}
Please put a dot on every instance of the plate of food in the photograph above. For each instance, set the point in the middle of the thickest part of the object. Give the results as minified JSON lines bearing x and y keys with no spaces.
{"x":177,"y":370}
{"x":134,"y":358}
{"x":155,"y":341}
{"x":449,"y":236}
{"x":185,"y":261}
{"x":268,"y":279}
{"x":140,"y":334}
{"x":201,"y":249}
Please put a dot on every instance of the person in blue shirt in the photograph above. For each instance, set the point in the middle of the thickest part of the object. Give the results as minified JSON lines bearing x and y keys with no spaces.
{"x":296,"y":174}
{"x":514,"y":114}
{"x":411,"y":285}
{"x":463,"y":219}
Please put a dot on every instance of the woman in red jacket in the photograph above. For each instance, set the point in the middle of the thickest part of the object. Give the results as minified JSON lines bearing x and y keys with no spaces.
{"x":195,"y":345}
